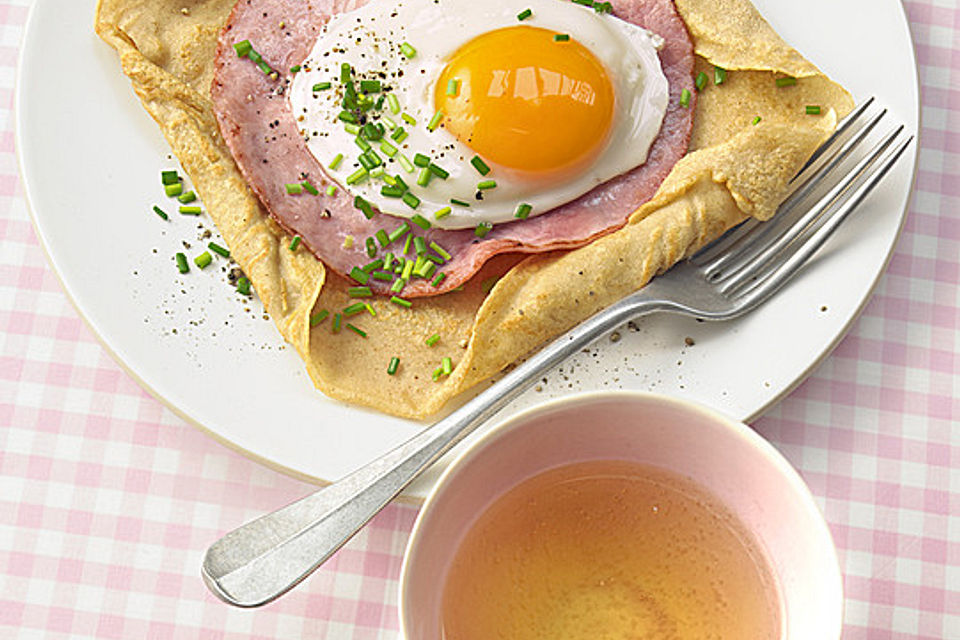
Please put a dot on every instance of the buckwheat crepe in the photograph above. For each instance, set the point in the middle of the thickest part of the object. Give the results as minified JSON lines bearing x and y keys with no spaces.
{"x":734,"y":169}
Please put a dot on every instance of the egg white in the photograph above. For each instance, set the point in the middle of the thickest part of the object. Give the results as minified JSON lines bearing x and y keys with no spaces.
{"x":369,"y":40}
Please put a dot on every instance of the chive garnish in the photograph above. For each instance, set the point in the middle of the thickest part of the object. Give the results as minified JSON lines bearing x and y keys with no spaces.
{"x":482,"y":229}
{"x":359,"y":292}
{"x":407,"y":270}
{"x":419,"y":245}
{"x":405,"y":163}
{"x":370,"y":86}
{"x":435,"y":120}
{"x":174,"y":189}
{"x":335,"y":326}
{"x":407,"y":243}
{"x":393,"y":103}
{"x":453,"y":87}
{"x":411,"y":200}
{"x":318,"y":317}
{"x":719,"y":75}
{"x":523,"y":15}
{"x":331,"y":190}
{"x":359,"y":332}
{"x":223,"y":251}
{"x":382,"y":238}
{"x":420,"y":221}
{"x":487,"y":184}
{"x":169,"y":177}
{"x":480,"y":165}
{"x":309,"y":188}
{"x":786,"y":82}
{"x":388,"y":260}
{"x":421,"y":160}
{"x":392,"y":367}
{"x":701,"y":81}
{"x":406,"y":304}
{"x":345,"y":72}
{"x":363,"y":206}
{"x":398,"y":285}
{"x":447,"y":365}
{"x":388,"y":191}
{"x":382,"y":275}
{"x":432,"y":340}
{"x":437,"y":373}
{"x":191,"y":210}
{"x":397,"y":233}
{"x":294,"y":189}
{"x":253,"y":55}
{"x":423,"y":178}
{"x":756,"y":120}
{"x":685,"y":98}
{"x":243,"y":48}
{"x":357,"y":176}
{"x":322,"y":86}
{"x":440,"y":250}
{"x":371,"y":248}
{"x":407,"y":50}
{"x":182,"y":263}
{"x":370,"y":267}
{"x":409,"y":119}
{"x":203,"y":260}
{"x":360,"y":275}
{"x":295,"y":243}
{"x":603,"y":7}
{"x":388,"y":148}
{"x":295,"y":68}
{"x":813,"y":109}
{"x":561,"y":37}
{"x":460,"y":203}
{"x":442,"y":213}
{"x":352,"y":129}
{"x":243,"y":285}
{"x":354,"y":309}
{"x":337,"y":159}
{"x":440,"y":278}
{"x":399,"y":134}
{"x":160,"y":212}
{"x":523,"y":210}
{"x":438,"y":171}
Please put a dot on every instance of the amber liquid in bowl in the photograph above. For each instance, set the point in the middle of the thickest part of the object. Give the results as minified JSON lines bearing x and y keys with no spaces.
{"x":609,"y":550}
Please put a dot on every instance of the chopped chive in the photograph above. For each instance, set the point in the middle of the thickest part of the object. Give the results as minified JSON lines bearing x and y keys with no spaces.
{"x":243,"y":48}
{"x":389,"y":191}
{"x":309,"y":188}
{"x":253,"y":55}
{"x":420,"y":221}
{"x":426,"y":270}
{"x":322,"y":86}
{"x":442,"y":213}
{"x":397,"y":233}
{"x":719,"y":75}
{"x":411,"y":200}
{"x":371,"y":247}
{"x":191,"y":210}
{"x":421,"y":160}
{"x":398,"y":285}
{"x":437,"y":260}
{"x":756,"y":120}
{"x":685,"y":98}
{"x":447,"y":365}
{"x":203,"y":260}
{"x":480,"y":165}
{"x":169,"y":177}
{"x":392,"y":367}
{"x":388,"y":260}
{"x":182,"y":263}
{"x":337,"y":159}
{"x":423,"y":178}
{"x":295,"y":243}
{"x":409,"y":119}
{"x":364,"y":206}
{"x":294,"y":189}
{"x":357,"y":176}
{"x":359,"y":292}
{"x":813,"y":110}
{"x":370,"y":308}
{"x":399,"y":134}
{"x":523,"y":15}
{"x":388,"y":149}
{"x":407,"y":270}
{"x":701,"y":81}
{"x":786,"y":82}
{"x":372,"y":132}
{"x":523,"y":210}
{"x":435,"y":120}
{"x":345,"y":72}
{"x":482,"y":229}
{"x":331,"y":190}
{"x":453,"y":87}
{"x":378,"y":172}
{"x":390,"y":122}
{"x":419,"y":245}
{"x":438,"y":171}
{"x":438,"y":279}
{"x":352,"y":129}
{"x":406,"y":304}
{"x":487,"y":184}
{"x":405,"y":163}
{"x":561,"y":37}
{"x":362,"y":143}
{"x":382,"y":238}
{"x":359,"y":332}
{"x":459,"y":203}
{"x":174,"y":189}
{"x":440,"y":250}
{"x":437,"y":373}
{"x":382,"y":275}
{"x":354,"y":309}
{"x":603,"y":7}
{"x":318,"y":317}
{"x":407,"y":50}
{"x":160,"y":212}
{"x":393,"y":103}
{"x":223,"y":251}
{"x":370,"y":267}
{"x":360,"y":275}
{"x":347,"y":116}
{"x":335,"y":326}
{"x":432,"y":340}
{"x":407,"y":243}
{"x":295,"y":68}
{"x":243,"y":285}
{"x":370,"y":86}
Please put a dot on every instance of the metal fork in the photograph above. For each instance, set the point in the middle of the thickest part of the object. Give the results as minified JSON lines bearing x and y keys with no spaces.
{"x":262,"y":559}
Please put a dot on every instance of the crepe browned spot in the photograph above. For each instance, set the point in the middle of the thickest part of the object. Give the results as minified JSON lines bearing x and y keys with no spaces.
{"x":734,"y":169}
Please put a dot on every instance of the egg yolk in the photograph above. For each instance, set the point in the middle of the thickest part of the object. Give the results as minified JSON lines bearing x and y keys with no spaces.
{"x":520,"y":98}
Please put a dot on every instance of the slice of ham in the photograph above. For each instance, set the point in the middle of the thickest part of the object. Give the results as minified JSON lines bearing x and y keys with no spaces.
{"x":258,"y":127}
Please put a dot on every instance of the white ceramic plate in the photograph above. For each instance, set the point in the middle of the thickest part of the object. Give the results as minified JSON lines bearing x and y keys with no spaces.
{"x":91,"y":158}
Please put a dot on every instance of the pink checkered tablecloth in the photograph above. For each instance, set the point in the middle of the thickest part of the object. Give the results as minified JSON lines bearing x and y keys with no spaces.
{"x":108,"y":500}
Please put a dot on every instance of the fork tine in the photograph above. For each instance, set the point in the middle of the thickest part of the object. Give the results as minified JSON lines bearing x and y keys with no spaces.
{"x":833,"y":151}
{"x":746,"y":263}
{"x":778,"y":272}
{"x":830,"y":155}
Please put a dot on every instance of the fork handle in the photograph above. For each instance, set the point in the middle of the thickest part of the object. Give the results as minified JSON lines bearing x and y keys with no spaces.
{"x":261,"y":560}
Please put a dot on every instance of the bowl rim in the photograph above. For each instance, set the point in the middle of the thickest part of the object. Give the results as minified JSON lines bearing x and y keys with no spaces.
{"x":742,"y":431}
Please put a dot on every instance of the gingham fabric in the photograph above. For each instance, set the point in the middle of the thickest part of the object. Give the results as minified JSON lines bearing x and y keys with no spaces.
{"x":108,"y":500}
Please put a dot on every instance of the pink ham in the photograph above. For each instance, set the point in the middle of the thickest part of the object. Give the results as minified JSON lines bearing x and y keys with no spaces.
{"x":257,"y":125}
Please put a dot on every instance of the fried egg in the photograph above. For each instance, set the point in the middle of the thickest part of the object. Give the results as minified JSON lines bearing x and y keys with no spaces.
{"x":469,"y":113}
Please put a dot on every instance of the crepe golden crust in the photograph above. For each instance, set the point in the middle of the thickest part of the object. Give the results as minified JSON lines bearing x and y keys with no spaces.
{"x":734,"y":169}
